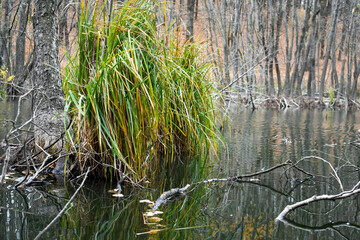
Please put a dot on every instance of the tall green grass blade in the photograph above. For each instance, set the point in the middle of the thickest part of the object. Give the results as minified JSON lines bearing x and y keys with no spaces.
{"x":134,"y":96}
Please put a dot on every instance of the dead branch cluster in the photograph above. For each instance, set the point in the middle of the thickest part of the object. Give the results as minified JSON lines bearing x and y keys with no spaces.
{"x":287,"y":166}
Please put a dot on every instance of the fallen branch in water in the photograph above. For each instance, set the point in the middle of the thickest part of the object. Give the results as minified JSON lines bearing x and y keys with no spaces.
{"x":237,"y":178}
{"x":175,"y":193}
{"x":64,"y":208}
{"x":240,"y":177}
{"x":170,"y":195}
{"x":316,"y":198}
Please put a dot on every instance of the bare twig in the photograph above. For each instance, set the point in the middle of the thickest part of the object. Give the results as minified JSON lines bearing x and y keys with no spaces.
{"x":335,"y":175}
{"x":242,"y":75}
{"x":240,"y":177}
{"x":288,"y":162}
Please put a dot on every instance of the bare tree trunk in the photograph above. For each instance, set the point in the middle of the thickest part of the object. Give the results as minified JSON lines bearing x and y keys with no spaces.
{"x":236,"y":33}
{"x":20,"y":47}
{"x":341,"y":89}
{"x":353,"y":94}
{"x":299,"y":49}
{"x":350,"y":60}
{"x":276,"y":45}
{"x":331,"y":39}
{"x":289,"y":44}
{"x":334,"y":75}
{"x":224,"y":37}
{"x":4,"y":33}
{"x":180,"y":13}
{"x":311,"y":81}
{"x":345,"y":30}
{"x":190,"y":20}
{"x":272,"y":52}
{"x":311,"y":61}
{"x":214,"y":44}
{"x":311,"y":44}
{"x":325,"y":10}
{"x":171,"y":14}
{"x":48,"y":101}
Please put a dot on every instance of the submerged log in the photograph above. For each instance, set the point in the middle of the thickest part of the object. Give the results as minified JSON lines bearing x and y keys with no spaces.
{"x":170,"y":195}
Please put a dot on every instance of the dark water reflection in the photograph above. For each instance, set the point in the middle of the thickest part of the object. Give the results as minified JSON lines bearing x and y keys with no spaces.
{"x":244,"y":210}
{"x":9,"y":111}
{"x":264,"y":138}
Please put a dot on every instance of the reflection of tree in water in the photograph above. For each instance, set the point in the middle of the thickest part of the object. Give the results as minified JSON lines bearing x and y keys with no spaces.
{"x":241,"y":209}
{"x":322,"y":134}
{"x":346,"y":230}
{"x":25,"y":212}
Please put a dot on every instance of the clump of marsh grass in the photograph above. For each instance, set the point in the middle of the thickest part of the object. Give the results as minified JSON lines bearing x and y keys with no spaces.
{"x":135,"y":99}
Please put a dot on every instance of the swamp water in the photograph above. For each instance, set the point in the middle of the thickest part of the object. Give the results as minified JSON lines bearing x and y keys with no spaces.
{"x":256,"y":141}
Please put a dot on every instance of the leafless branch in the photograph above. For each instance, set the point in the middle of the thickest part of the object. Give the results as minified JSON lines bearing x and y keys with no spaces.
{"x":315,"y":198}
{"x":334,"y":172}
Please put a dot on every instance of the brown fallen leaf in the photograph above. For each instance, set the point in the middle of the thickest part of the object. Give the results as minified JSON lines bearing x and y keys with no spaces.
{"x":152,"y":213}
{"x":113,"y":190}
{"x":154,"y":219}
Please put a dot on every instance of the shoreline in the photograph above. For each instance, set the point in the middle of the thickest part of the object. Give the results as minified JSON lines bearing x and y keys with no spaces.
{"x":292,"y":103}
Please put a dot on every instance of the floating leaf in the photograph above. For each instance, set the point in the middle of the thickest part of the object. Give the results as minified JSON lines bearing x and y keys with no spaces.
{"x":155,"y":219}
{"x":119,"y":195}
{"x":152,"y":213}
{"x":113,"y":190}
{"x":146,"y":201}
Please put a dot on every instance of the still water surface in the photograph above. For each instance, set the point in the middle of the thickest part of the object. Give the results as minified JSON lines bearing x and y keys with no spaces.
{"x":243,"y":210}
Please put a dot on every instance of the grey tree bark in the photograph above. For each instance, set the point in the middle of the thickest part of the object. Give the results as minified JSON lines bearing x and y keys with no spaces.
{"x":289,"y":43}
{"x":310,"y":61}
{"x":299,"y":53}
{"x":311,"y":44}
{"x":225,"y":43}
{"x":48,"y":100}
{"x":334,"y":75}
{"x":190,"y":20}
{"x":276,"y":45}
{"x":4,"y":33}
{"x":331,"y":38}
{"x":353,"y":94}
{"x":325,"y":10}
{"x":20,"y":47}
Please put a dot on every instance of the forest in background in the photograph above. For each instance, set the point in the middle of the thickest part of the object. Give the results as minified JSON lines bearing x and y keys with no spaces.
{"x":266,"y":49}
